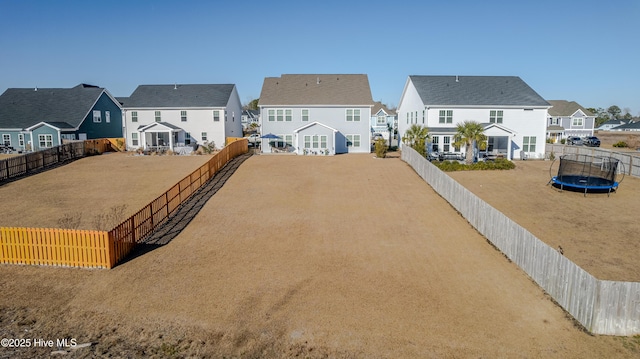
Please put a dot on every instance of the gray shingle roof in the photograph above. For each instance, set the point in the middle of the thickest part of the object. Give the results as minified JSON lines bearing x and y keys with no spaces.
{"x":316,"y":89}
{"x":179,"y":96}
{"x":628,"y":126}
{"x":22,"y":107}
{"x":476,"y":91}
{"x":566,"y":108}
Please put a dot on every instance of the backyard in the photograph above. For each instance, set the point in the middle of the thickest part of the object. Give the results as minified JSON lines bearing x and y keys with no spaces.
{"x":344,"y":256}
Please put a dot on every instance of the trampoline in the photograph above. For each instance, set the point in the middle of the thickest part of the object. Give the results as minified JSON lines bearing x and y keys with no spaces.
{"x":587,"y":173}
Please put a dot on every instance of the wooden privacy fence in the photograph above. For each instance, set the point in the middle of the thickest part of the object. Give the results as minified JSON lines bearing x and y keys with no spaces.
{"x":26,"y":164}
{"x":630,"y":162}
{"x":81,"y":248}
{"x":603,"y":307}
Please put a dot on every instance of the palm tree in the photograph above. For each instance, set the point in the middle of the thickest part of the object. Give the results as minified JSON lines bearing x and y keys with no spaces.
{"x":467,"y":133}
{"x":416,"y":137}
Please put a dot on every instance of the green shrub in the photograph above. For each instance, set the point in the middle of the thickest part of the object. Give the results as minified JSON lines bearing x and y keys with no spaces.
{"x":620,"y":144}
{"x":380,"y":147}
{"x":499,"y":164}
{"x":563,"y":141}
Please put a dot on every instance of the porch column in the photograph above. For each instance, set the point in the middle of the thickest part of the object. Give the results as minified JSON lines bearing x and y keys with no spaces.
{"x":143,"y":140}
{"x":171,"y":140}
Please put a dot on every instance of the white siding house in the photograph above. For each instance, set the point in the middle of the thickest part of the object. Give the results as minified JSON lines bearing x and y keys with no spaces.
{"x":181,"y":117}
{"x":316,"y":114}
{"x":513,"y":114}
{"x":383,"y":118}
{"x":568,"y":118}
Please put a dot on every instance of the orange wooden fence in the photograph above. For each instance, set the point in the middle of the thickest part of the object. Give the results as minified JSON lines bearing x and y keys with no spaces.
{"x":54,"y":247}
{"x":81,"y":248}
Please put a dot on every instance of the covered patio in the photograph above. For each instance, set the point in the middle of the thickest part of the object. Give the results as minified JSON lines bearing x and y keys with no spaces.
{"x":161,"y":137}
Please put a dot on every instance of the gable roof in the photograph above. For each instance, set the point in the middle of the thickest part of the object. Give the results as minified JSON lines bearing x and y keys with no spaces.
{"x":377,"y":106}
{"x":566,"y":108}
{"x":310,"y":89}
{"x":476,"y":91}
{"x":164,"y":96}
{"x":24,"y":107}
{"x":631,"y":126}
{"x":315,"y":123}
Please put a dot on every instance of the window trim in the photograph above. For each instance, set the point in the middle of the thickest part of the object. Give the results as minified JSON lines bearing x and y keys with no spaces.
{"x":204,"y":137}
{"x":304,"y":117}
{"x":183,"y":116}
{"x":21,"y":139}
{"x":216,"y":118}
{"x":134,"y":139}
{"x":45,"y":141}
{"x":134,"y":116}
{"x":445,"y":116}
{"x":97,"y":116}
{"x":496,"y":116}
{"x":3,"y":139}
{"x":355,"y":115}
{"x":351,"y":140}
{"x":527,"y":143}
{"x":157,"y":116}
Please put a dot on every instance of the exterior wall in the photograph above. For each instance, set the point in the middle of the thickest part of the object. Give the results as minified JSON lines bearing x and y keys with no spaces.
{"x":586,"y":129}
{"x":334,"y":117}
{"x":409,"y":103}
{"x":233,"y":122}
{"x":13,"y":135}
{"x":198,"y":121}
{"x":33,"y":137}
{"x":102,"y":129}
{"x":311,"y":131}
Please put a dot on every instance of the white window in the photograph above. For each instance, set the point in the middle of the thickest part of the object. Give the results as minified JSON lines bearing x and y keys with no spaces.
{"x":6,"y":139}
{"x":158,"y":116}
{"x":287,"y":115}
{"x":446,"y":141}
{"x":272,"y":115}
{"x":68,"y":136}
{"x":97,"y":116}
{"x":577,"y":122}
{"x":45,"y":141}
{"x":107,"y":116}
{"x":183,"y":116}
{"x":305,"y":115}
{"x":134,"y":139}
{"x":555,"y":121}
{"x":20,"y":140}
{"x":353,"y":140}
{"x":529,"y":144}
{"x":204,"y":136}
{"x":288,"y":139}
{"x":381,"y":120}
{"x":216,"y":115}
{"x":353,"y":114}
{"x":446,"y":116}
{"x":495,"y":116}
{"x":279,"y":115}
{"x":323,"y":141}
{"x":134,"y":116}
{"x":307,"y":141}
{"x":187,"y":138}
{"x":434,"y":143}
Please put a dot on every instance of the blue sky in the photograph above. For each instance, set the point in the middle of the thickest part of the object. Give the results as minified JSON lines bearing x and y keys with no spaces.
{"x":586,"y":51}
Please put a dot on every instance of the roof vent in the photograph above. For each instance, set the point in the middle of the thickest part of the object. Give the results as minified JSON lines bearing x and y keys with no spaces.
{"x":175,"y":86}
{"x":457,"y":79}
{"x":318,"y":81}
{"x":35,"y":89}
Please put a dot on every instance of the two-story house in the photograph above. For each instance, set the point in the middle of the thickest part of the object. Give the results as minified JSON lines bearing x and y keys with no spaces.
{"x":383,"y":119}
{"x":181,"y":117}
{"x":512,"y":113}
{"x":32,"y":119}
{"x":567,"y":119}
{"x":317,"y":114}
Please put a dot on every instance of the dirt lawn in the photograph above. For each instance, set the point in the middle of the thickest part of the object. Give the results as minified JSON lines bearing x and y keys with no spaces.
{"x":597,"y":232}
{"x":90,"y":186}
{"x":341,"y":257}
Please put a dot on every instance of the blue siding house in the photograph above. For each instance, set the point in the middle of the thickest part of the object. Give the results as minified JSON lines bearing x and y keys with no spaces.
{"x":38,"y":118}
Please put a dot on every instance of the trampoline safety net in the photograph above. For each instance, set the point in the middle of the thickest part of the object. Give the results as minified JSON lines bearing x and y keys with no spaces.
{"x":583,"y":171}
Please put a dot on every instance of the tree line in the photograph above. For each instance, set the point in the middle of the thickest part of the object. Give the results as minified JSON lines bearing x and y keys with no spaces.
{"x":611,"y":113}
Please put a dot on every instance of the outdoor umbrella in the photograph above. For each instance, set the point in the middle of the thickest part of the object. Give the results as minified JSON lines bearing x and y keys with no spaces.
{"x":270,"y":136}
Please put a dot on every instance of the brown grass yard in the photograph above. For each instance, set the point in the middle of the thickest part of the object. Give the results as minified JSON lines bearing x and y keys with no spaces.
{"x":91,"y":186}
{"x":341,"y":257}
{"x":596,"y":232}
